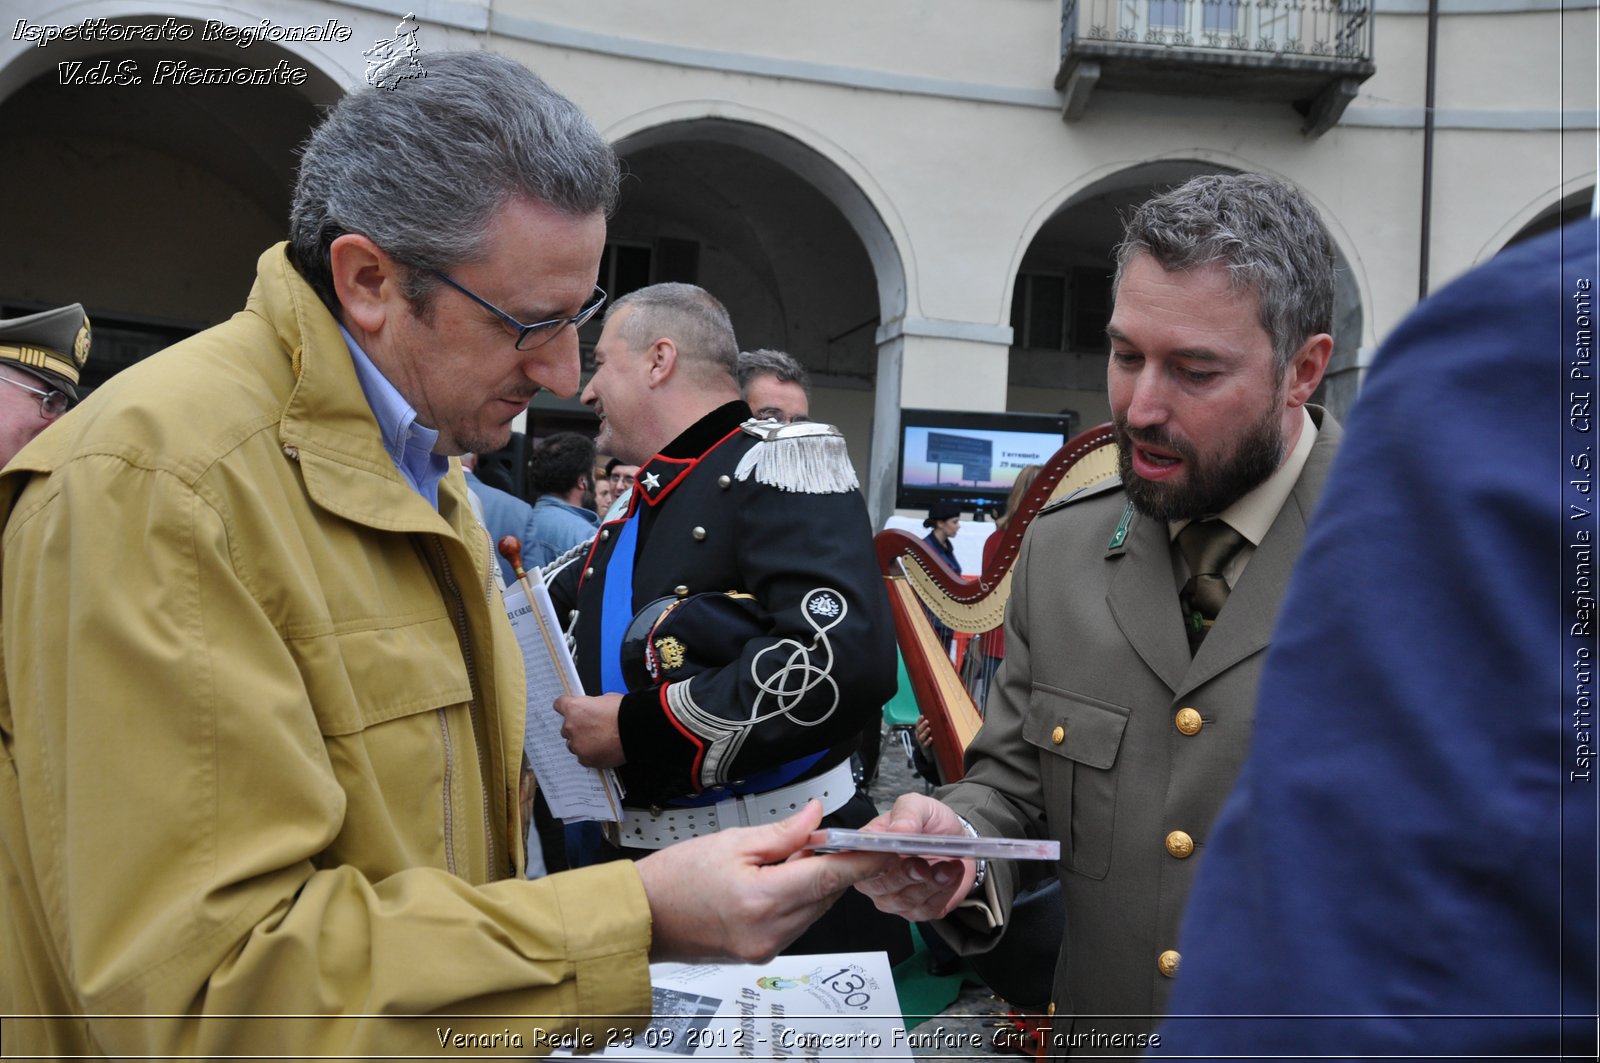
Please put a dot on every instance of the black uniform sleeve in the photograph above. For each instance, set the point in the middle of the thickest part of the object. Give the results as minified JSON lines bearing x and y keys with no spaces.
{"x":562,"y":577}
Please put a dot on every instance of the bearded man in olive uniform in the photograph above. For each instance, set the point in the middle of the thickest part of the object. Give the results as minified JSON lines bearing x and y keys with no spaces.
{"x":1141,"y":610}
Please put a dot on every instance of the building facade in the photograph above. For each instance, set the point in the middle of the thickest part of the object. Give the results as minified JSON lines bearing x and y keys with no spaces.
{"x":917,"y":198}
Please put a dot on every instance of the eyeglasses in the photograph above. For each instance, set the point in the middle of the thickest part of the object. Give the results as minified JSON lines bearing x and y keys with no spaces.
{"x":52,"y":403}
{"x":539,"y":333}
{"x":772,"y":413}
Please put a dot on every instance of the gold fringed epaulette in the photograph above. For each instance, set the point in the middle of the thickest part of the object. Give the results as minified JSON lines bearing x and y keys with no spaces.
{"x":806,"y":457}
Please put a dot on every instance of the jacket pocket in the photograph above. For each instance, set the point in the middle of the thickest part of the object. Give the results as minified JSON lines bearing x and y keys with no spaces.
{"x":370,"y":676}
{"x":1078,"y":739}
{"x":392,"y":706}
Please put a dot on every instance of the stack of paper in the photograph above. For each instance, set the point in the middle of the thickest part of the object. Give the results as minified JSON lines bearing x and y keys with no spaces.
{"x":572,"y":791}
{"x":831,"y":1006}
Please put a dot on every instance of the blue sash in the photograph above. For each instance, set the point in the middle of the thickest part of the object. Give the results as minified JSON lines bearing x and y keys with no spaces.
{"x":759,"y":783}
{"x":616,"y":613}
{"x":616,"y":608}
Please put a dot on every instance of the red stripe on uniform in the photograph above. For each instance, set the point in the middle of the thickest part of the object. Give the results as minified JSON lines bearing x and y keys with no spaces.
{"x":700,"y":756}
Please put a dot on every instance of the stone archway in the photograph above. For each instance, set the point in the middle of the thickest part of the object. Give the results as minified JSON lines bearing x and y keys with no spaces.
{"x":1569,"y":208}
{"x":147,"y":203}
{"x":794,"y":248}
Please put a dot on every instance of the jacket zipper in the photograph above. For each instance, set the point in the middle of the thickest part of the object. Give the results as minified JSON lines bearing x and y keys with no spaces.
{"x":449,"y":810}
{"x":474,"y":707}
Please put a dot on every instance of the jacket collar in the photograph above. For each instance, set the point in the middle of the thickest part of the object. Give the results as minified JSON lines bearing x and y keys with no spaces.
{"x":1143,"y":598}
{"x":658,"y":476}
{"x":327,"y":424}
{"x":409,"y":442}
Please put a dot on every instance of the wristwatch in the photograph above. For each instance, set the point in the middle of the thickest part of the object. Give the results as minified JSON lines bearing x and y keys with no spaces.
{"x":983,"y":865}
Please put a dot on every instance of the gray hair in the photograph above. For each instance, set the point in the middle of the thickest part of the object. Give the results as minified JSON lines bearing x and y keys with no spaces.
{"x":1264,"y":231}
{"x":688,"y":315}
{"x":421,"y":168}
{"x":776,"y":363}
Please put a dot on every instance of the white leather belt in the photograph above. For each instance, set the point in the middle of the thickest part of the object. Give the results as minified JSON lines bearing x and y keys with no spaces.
{"x":642,"y":829}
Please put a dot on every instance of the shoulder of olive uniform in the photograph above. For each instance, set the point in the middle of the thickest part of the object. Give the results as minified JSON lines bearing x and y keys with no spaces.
{"x":1105,"y":488}
{"x":807,"y":457}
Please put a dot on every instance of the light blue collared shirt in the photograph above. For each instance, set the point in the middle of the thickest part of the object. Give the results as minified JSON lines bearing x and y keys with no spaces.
{"x":408,"y":443}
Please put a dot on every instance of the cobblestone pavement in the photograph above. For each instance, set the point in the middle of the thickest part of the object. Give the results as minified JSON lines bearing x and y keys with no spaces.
{"x":969,"y":1021}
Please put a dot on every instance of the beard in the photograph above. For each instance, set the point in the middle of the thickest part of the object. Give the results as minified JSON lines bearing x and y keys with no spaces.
{"x":477,"y":433}
{"x":481,"y":441}
{"x":474,"y":436}
{"x":605,"y":440}
{"x":1208,"y":488}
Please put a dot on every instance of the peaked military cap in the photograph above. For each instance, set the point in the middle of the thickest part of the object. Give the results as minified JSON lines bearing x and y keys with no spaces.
{"x":52,"y":345}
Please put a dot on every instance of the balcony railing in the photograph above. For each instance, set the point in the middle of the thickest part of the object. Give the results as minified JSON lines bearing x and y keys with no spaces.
{"x":1301,"y":50}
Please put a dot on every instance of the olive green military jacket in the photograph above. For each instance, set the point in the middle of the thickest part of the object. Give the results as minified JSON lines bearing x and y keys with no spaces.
{"x":1083,"y":742}
{"x":261,"y":732}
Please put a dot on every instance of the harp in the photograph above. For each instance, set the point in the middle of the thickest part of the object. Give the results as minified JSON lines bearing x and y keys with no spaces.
{"x":919,"y":584}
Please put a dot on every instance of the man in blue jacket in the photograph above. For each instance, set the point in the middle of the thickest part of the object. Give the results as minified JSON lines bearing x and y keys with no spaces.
{"x":502,"y":513}
{"x":559,"y":473}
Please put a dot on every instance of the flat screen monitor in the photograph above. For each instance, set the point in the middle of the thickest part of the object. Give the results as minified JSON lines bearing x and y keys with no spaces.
{"x":972,"y":458}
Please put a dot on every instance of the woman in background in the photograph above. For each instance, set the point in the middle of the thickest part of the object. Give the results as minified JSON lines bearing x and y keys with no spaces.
{"x":944,"y":517}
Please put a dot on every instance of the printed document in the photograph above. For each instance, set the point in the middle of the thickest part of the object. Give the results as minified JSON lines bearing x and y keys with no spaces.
{"x":832,"y":1006}
{"x":572,"y":791}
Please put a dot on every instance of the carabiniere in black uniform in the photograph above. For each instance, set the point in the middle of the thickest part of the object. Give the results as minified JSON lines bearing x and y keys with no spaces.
{"x":782,"y":651}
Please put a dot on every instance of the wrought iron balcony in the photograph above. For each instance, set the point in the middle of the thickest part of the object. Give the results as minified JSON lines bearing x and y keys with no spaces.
{"x":1312,"y":53}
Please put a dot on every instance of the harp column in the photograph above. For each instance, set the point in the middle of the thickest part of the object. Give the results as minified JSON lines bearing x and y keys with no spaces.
{"x":931,"y":363}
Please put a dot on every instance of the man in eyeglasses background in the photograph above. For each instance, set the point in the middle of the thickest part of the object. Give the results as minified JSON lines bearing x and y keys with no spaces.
{"x":41,"y":358}
{"x":262,"y":720}
{"x":775,"y":385}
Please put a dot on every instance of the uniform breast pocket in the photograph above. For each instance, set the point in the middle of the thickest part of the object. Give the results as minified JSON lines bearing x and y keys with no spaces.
{"x":1078,"y":739}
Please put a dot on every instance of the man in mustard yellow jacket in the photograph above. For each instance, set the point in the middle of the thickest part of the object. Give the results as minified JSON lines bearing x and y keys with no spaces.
{"x":262,"y":714}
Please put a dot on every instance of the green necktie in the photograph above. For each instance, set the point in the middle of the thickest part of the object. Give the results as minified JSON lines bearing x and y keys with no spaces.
{"x":1207,"y":546}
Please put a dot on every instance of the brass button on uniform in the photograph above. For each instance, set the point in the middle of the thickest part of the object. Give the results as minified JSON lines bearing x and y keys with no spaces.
{"x":1058,"y":736}
{"x":1188,"y":721}
{"x":724,"y":481}
{"x":588,"y":572}
{"x":1180,"y":844}
{"x":605,"y":534}
{"x":1167,"y":963}
{"x":698,"y":533}
{"x":1051,"y":1010}
{"x":681,"y":591}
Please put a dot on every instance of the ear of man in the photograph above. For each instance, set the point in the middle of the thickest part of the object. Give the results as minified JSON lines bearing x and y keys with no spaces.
{"x":1306,"y":368}
{"x":366,"y":280}
{"x":673,"y":367}
{"x":663,"y":359}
